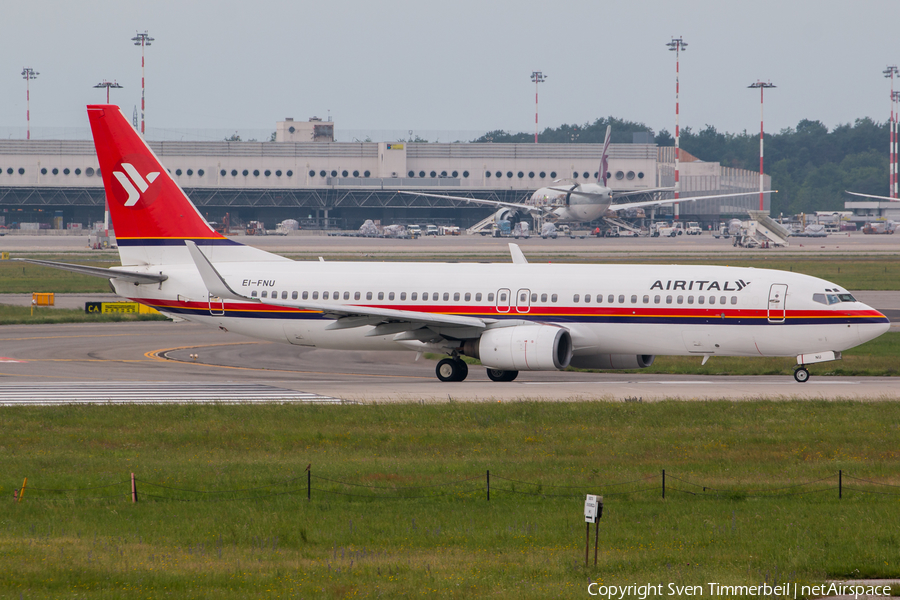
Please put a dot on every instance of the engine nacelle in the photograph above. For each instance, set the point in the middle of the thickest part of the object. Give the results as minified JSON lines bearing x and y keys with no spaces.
{"x":523,"y":348}
{"x":613,"y":361}
{"x":507,"y":214}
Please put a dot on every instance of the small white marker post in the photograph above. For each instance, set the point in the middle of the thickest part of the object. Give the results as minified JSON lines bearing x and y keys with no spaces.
{"x":593,"y":510}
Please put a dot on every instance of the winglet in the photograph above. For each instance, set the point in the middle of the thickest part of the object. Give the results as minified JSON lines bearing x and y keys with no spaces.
{"x":518,"y":257}
{"x":214,"y":282}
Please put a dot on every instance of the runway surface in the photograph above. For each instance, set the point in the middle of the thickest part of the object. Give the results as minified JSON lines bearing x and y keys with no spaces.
{"x":152,"y":362}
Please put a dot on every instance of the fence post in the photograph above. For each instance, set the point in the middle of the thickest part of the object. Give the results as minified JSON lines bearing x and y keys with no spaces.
{"x":488,"y":479}
{"x":308,"y":483}
{"x":840,"y":484}
{"x":133,"y":490}
{"x":22,"y":491}
{"x":664,"y":483}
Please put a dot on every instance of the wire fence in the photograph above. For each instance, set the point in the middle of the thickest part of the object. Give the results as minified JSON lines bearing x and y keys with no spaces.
{"x":474,"y":487}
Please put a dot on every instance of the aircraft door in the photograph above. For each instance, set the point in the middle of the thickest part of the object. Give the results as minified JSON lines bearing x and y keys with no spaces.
{"x":503,"y":300}
{"x":777,"y":297}
{"x":523,"y":301}
{"x":216,"y":305}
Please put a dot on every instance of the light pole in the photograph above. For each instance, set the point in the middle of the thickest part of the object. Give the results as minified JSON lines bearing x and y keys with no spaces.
{"x":142,"y":40}
{"x":895,"y":96}
{"x":106,"y":84}
{"x":28,"y":74}
{"x":676,"y":46}
{"x":762,"y":86}
{"x":889,"y":72}
{"x":537,"y":77}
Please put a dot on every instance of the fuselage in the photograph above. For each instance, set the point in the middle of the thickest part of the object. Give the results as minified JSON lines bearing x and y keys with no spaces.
{"x":574,"y":207}
{"x":608,"y":309}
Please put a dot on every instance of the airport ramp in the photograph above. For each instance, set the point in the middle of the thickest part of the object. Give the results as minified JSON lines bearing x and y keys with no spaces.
{"x":768,"y":228}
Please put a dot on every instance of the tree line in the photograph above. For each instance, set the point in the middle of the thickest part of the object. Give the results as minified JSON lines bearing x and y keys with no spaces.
{"x":811,"y":167}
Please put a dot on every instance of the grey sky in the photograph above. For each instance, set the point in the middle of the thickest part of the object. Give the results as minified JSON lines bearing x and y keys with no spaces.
{"x":457,"y":66}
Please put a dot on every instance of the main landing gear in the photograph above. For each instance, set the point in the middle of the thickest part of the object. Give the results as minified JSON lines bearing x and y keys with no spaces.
{"x":452,"y":369}
{"x":455,"y":369}
{"x":801,"y":375}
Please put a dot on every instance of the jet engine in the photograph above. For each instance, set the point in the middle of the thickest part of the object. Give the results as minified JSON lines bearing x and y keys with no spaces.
{"x":522,"y":348}
{"x":507,"y":214}
{"x":613,"y":361}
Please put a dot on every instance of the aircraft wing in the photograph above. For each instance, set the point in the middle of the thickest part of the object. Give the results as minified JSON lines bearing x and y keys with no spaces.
{"x":630,"y":205}
{"x":112,"y":273}
{"x":497,"y":203}
{"x":636,"y":192}
{"x":871,"y":196}
{"x":345,"y":315}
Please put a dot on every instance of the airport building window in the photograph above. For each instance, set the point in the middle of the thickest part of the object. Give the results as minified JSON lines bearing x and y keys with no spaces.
{"x":596,"y":174}
{"x":456,"y":173}
{"x":190,"y":172}
{"x":530,"y":174}
{"x":289,"y":173}
{"x":55,"y":171}
{"x":433,"y":174}
{"x":478,"y":297}
{"x":734,"y":299}
{"x":412,"y":173}
{"x":234,"y":172}
{"x":640,"y":174}
{"x":178,"y":172}
{"x":421,"y":173}
{"x":620,"y":175}
{"x":356,"y":173}
{"x":487,"y":174}
{"x":444,"y":174}
{"x":543,"y":174}
{"x":586,"y":175}
{"x":553,"y":174}
{"x":89,"y":171}
{"x":465,"y":173}
{"x":344,"y":173}
{"x":553,"y":298}
{"x":315,"y":295}
{"x":312,"y":173}
{"x":668,"y":299}
{"x":200,"y":172}
{"x":630,"y":175}
{"x":43,"y":171}
{"x":334,"y":173}
{"x":78,"y":171}
{"x":621,"y":298}
{"x":256,"y":172}
{"x":520,"y":174}
{"x":245,"y":172}
{"x":575,"y":175}
{"x":222,"y":172}
{"x":322,"y":173}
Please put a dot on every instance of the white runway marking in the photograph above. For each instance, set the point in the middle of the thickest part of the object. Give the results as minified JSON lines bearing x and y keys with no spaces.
{"x":37,"y":394}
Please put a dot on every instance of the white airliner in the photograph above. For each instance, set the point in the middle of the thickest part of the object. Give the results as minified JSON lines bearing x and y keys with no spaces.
{"x":569,"y":201}
{"x":514,"y":317}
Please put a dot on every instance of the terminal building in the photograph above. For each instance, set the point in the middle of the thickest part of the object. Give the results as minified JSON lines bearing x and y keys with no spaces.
{"x":304,"y":175}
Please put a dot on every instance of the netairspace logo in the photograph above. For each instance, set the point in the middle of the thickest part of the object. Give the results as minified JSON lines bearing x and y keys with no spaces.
{"x":135,"y":180}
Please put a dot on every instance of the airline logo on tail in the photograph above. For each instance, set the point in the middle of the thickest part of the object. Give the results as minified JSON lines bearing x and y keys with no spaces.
{"x":132,"y":179}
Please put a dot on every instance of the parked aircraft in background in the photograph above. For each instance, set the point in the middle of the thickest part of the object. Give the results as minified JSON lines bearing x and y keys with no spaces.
{"x":569,"y":201}
{"x":513,"y":317}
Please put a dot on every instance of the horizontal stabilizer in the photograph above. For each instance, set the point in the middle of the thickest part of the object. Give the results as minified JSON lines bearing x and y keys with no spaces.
{"x":113,"y":273}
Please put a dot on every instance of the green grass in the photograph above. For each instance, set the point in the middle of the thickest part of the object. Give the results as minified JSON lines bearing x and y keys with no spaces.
{"x":527,"y":542}
{"x":22,"y":315}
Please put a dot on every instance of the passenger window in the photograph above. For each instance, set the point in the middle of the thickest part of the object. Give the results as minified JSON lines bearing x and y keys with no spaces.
{"x":734,"y":299}
{"x":587,"y":297}
{"x":381,"y":295}
{"x":305,"y":295}
{"x":414,"y":296}
{"x":456,"y":296}
{"x":315,"y":296}
{"x":599,"y":298}
{"x":553,"y":298}
{"x":284,"y":295}
{"x":690,"y":299}
{"x":391,"y":296}
{"x":368,"y":295}
{"x":402,"y":296}
{"x":575,"y":298}
{"x":336,"y":295}
{"x":503,"y":297}
{"x":293,"y":295}
{"x":668,"y":299}
{"x":621,"y":298}
{"x":446,"y":296}
{"x":347,"y":295}
{"x":656,"y":299}
{"x":680,"y":300}
{"x":533,"y":298}
{"x":490,"y":297}
{"x":468,"y":296}
{"x":253,"y":294}
{"x":634,"y":299}
{"x":721,"y":299}
{"x":646,"y":299}
{"x":712,"y":299}
{"x":274,"y":294}
{"x":700,"y":299}
{"x":265,"y":294}
{"x":543,"y":297}
{"x":611,"y":299}
{"x":477,"y":296}
{"x":324,"y":295}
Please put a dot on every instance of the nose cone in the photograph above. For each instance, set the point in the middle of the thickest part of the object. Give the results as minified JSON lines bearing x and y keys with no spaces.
{"x":872,"y":325}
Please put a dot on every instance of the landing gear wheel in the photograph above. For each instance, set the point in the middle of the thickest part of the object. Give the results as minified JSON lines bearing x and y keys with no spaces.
{"x":501,"y":375}
{"x":451,"y":369}
{"x":801,"y":375}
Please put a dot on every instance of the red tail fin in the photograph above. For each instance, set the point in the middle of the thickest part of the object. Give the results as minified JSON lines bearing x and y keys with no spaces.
{"x":147,"y":207}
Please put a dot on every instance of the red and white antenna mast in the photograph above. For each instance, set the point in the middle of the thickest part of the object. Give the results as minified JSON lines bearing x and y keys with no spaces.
{"x":142,"y":40}
{"x":28,"y":74}
{"x":889,"y":72}
{"x":762,"y":86}
{"x":676,"y":46}
{"x":537,"y":77}
{"x":895,"y":96}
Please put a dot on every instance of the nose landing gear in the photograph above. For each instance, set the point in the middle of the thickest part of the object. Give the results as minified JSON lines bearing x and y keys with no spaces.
{"x":801,"y":375}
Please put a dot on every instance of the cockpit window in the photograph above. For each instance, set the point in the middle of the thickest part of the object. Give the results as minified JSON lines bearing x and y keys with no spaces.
{"x":830,"y":298}
{"x":846,"y":297}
